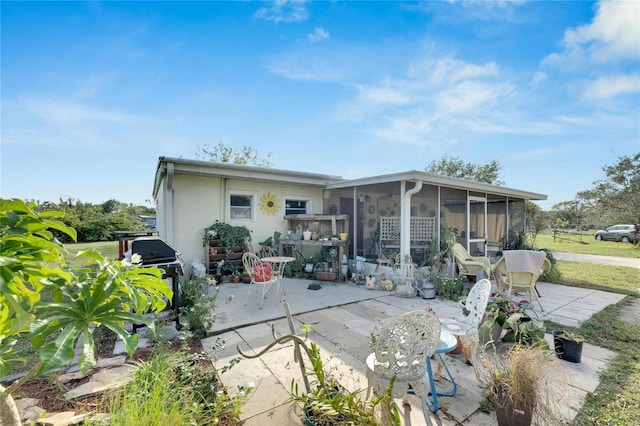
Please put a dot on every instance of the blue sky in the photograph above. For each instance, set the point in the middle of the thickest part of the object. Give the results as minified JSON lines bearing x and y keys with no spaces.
{"x":94,"y":92}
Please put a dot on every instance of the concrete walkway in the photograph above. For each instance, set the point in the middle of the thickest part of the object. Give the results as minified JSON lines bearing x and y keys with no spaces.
{"x":603,"y":260}
{"x":342,"y":328}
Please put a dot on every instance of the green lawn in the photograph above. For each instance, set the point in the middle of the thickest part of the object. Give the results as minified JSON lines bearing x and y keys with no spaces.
{"x":109,"y":249}
{"x":584,"y":243}
{"x":618,"y":279}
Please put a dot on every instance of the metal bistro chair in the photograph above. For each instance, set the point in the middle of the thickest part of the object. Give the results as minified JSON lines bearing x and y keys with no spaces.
{"x":260,"y":273}
{"x":402,"y":349}
{"x":466,"y":326}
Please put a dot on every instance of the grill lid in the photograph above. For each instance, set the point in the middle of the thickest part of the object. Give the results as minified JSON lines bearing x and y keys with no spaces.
{"x":154,"y":250}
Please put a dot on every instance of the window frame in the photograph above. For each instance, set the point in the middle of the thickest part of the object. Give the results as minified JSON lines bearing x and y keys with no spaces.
{"x":308,"y":200}
{"x":251,"y":209}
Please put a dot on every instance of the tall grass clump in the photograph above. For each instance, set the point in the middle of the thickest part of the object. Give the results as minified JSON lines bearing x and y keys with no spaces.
{"x":176,"y":388}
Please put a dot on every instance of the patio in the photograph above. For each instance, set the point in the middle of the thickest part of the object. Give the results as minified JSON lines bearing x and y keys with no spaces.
{"x":342,"y":317}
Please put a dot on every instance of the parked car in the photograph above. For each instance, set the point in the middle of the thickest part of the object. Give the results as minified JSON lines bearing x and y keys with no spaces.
{"x":624,"y":233}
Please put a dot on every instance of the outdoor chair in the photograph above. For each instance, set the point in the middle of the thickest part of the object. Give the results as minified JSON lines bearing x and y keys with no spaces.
{"x":468,"y":265}
{"x":519,"y":270}
{"x":402,"y":349}
{"x":465,"y":327}
{"x":260,"y":273}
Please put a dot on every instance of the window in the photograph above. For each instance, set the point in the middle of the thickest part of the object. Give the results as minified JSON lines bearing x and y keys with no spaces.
{"x":299,"y":206}
{"x":241,"y":206}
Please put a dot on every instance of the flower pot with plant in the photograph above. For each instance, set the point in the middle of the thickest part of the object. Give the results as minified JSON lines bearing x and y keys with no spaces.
{"x":523,"y":328}
{"x":518,"y":385}
{"x":494,"y":319}
{"x":323,"y":400}
{"x":567,"y":345}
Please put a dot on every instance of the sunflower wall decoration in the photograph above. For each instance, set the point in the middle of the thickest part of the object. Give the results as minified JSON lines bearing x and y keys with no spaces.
{"x":269,"y":204}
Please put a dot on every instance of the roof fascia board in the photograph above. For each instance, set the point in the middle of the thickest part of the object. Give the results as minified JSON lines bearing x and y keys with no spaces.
{"x":433,"y":179}
{"x":227,"y":170}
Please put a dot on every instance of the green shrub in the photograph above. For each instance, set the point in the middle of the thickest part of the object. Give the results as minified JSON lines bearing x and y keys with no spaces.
{"x":197,"y":306}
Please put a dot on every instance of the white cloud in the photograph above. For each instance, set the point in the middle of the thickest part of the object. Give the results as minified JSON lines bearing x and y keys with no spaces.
{"x":609,"y":86}
{"x":453,"y":70}
{"x":383,"y":95}
{"x":538,"y":78}
{"x":62,"y":111}
{"x":62,"y":122}
{"x":284,"y":11}
{"x":318,"y":34}
{"x":436,"y":102}
{"x":534,"y":154}
{"x":613,"y":35}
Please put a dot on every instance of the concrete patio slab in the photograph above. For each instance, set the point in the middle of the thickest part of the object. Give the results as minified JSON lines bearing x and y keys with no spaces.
{"x":342,"y":318}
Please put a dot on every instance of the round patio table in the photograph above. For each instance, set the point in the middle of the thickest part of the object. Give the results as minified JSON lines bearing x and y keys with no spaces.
{"x":278,"y":263}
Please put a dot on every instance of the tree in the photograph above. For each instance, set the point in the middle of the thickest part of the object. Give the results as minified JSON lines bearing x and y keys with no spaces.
{"x":569,"y":213}
{"x":534,"y":218}
{"x":616,"y":198}
{"x":223,"y":153}
{"x":97,"y":222}
{"x":455,"y":167}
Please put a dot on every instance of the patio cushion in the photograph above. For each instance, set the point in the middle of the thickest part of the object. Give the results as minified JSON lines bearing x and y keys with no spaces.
{"x":262,"y":273}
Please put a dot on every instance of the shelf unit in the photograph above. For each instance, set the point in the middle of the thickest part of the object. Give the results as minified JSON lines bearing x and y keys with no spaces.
{"x":326,"y":226}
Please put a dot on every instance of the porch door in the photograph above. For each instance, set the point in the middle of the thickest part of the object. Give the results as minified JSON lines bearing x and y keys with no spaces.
{"x":477,"y":226}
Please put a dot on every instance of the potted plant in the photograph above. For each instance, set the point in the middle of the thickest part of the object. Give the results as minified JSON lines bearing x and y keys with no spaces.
{"x":518,"y":387}
{"x":494,"y":319}
{"x":567,"y":345}
{"x":229,"y":235}
{"x":323,"y":401}
{"x":523,"y":328}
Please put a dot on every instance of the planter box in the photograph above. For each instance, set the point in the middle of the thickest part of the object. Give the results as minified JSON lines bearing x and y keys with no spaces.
{"x":326,"y":276}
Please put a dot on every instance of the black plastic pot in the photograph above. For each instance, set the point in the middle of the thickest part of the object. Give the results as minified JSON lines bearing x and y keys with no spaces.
{"x":513,"y":415}
{"x":567,"y":349}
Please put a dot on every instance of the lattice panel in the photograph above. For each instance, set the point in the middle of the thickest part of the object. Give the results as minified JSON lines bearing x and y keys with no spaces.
{"x":422,"y":228}
{"x":389,"y":228}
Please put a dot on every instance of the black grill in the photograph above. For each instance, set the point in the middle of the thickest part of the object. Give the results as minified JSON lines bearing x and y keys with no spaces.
{"x":154,"y":251}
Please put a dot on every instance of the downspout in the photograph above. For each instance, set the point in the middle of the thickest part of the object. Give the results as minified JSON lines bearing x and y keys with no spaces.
{"x":169,"y":202}
{"x":405,"y":224}
{"x":354,"y":222}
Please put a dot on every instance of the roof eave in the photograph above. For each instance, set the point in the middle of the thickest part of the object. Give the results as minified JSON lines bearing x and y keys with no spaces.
{"x":435,"y":179}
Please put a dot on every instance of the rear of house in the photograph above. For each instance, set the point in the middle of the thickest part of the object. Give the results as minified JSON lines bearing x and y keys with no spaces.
{"x":403,"y":213}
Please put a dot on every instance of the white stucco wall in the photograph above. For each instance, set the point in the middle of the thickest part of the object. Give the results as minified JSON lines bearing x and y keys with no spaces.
{"x":201,"y":200}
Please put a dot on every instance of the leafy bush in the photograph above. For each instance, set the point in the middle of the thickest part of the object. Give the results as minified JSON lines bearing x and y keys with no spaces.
{"x":449,"y":288}
{"x":54,"y":304}
{"x":197,"y":306}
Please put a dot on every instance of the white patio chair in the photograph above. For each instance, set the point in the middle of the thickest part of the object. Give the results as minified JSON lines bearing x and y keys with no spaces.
{"x":402,"y":349}
{"x":466,"y":326}
{"x":257,"y":270}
